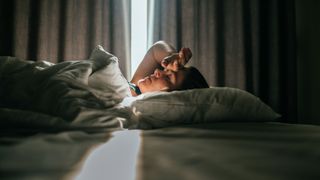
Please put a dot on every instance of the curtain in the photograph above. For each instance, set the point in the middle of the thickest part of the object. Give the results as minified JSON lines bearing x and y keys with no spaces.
{"x":59,"y":30}
{"x":246,"y":44}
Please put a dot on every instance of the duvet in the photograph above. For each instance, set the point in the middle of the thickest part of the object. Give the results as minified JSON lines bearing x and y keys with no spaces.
{"x":73,"y":93}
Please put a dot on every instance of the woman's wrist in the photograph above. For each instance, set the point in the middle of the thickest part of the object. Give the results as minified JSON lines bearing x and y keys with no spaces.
{"x":161,"y":50}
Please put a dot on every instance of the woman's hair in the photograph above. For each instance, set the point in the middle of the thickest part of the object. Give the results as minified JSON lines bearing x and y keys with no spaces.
{"x":193,"y":79}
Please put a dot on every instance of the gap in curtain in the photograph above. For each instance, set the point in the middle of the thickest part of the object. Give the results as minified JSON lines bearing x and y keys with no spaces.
{"x":139,"y":30}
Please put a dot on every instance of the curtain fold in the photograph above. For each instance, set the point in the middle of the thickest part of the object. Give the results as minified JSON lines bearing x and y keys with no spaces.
{"x":247,"y":44}
{"x":58,"y":30}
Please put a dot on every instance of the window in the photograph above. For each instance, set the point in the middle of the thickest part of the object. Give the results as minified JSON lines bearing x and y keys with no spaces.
{"x":139,"y":34}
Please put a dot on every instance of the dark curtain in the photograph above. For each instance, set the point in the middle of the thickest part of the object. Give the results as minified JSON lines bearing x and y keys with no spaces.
{"x":247,"y":44}
{"x":59,"y":30}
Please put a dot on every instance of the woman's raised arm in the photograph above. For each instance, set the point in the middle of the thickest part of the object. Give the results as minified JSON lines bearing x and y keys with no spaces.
{"x":152,"y":60}
{"x":161,"y":55}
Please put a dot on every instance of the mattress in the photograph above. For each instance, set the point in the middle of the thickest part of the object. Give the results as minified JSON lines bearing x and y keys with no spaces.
{"x":232,"y":151}
{"x":197,"y":151}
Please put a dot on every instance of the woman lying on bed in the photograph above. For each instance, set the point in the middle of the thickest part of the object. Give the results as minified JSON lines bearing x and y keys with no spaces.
{"x":163,"y":69}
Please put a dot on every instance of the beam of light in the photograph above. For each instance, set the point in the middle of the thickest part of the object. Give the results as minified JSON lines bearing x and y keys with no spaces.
{"x":138,"y":32}
{"x":150,"y":15}
{"x":116,"y":159}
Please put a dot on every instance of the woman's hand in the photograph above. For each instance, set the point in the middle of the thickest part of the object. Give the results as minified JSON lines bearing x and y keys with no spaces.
{"x":177,"y":61}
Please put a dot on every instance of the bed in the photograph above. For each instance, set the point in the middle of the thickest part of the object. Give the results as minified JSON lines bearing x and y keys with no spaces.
{"x":201,"y":151}
{"x":76,"y":120}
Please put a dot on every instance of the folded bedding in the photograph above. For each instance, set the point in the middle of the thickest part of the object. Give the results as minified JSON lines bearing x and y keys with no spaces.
{"x":94,"y":93}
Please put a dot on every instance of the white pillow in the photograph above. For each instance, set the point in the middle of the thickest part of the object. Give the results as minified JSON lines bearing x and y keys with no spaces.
{"x":110,"y":78}
{"x":160,"y":109}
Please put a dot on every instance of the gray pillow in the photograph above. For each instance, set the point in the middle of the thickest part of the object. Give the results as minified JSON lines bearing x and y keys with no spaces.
{"x":159,"y":109}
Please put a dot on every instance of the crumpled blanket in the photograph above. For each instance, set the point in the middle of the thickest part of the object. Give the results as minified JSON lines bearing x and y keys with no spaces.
{"x":78,"y":93}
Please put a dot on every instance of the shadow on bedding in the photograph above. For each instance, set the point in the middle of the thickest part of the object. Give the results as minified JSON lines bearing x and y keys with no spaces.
{"x":47,"y":156}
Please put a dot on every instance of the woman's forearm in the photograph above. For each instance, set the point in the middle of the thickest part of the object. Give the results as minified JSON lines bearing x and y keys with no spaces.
{"x":161,"y":49}
{"x":152,"y":60}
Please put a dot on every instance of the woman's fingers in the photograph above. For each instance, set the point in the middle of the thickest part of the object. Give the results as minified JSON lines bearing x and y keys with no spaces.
{"x":185,"y":55}
{"x":173,"y":65}
{"x":169,"y":59}
{"x":177,"y":60}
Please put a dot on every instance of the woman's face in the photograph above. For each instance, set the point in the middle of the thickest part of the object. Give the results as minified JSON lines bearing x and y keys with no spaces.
{"x":162,"y":80}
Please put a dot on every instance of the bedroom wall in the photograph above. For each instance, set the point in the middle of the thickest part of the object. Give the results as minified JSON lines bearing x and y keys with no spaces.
{"x":308,"y":54}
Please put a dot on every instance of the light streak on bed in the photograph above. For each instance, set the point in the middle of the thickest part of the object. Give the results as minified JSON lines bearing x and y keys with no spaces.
{"x":116,"y":159}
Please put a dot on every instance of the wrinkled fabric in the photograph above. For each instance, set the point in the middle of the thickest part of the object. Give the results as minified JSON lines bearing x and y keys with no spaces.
{"x":81,"y":92}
